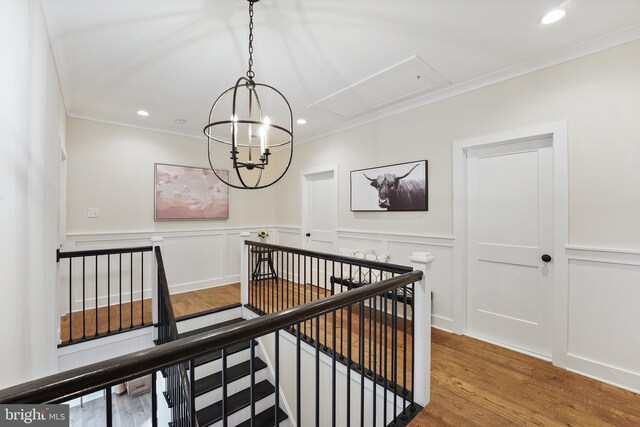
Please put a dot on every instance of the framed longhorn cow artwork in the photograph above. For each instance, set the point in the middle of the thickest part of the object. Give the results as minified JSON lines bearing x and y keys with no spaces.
{"x":398,"y":187}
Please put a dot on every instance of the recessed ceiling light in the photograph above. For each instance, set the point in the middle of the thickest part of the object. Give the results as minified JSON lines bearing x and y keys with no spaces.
{"x":143,"y":113}
{"x":301,"y":121}
{"x":553,"y":16}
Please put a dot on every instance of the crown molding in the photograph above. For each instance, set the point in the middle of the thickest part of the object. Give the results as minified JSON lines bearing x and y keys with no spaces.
{"x":103,"y":118}
{"x":581,"y":50}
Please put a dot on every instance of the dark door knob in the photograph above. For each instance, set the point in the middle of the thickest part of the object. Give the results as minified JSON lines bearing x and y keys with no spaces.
{"x":546,"y":257}
{"x":308,"y":234}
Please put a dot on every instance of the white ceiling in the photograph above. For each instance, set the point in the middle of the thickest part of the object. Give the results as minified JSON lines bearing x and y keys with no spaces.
{"x":174,"y":57}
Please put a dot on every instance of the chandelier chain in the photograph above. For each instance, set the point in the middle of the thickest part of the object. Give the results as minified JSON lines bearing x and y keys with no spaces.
{"x":250,"y":72}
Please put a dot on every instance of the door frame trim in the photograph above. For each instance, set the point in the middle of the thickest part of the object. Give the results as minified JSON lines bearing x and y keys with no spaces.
{"x":304,"y":196}
{"x":558,"y":133}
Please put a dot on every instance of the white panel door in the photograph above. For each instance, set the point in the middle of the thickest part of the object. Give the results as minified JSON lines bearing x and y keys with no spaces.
{"x":320,"y":211}
{"x":509,"y":232}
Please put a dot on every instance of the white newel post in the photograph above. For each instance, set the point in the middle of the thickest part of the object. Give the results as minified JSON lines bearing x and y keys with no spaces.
{"x":422,"y":333}
{"x":156,"y":241}
{"x":244,"y":268}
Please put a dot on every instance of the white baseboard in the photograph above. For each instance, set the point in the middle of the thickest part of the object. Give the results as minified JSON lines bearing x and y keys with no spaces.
{"x":608,"y":374}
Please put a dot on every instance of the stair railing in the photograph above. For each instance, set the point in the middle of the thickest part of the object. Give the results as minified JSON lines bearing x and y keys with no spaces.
{"x":378,"y":339}
{"x":104,"y":292}
{"x":71,"y":384}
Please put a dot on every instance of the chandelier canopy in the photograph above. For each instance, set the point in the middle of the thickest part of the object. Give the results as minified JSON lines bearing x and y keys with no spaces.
{"x":247,"y":122}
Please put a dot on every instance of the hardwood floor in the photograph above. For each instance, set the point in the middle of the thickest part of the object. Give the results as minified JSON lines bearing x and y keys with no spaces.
{"x":474,"y":383}
{"x":183,"y":304}
{"x":205,"y":299}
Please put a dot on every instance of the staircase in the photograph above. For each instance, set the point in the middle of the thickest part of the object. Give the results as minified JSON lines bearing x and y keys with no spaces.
{"x":208,"y":376}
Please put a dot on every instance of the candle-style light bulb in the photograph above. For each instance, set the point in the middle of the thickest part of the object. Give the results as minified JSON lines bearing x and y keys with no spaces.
{"x":266,"y":124}
{"x":263,"y":136}
{"x":234,"y":125}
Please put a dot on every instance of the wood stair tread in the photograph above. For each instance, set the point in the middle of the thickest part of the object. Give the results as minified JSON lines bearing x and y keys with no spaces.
{"x":213,"y":413}
{"x":235,"y":372}
{"x":266,"y":418}
{"x":215,"y":355}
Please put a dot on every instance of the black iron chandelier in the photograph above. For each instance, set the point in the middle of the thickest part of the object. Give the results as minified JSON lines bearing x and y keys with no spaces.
{"x":250,"y":120}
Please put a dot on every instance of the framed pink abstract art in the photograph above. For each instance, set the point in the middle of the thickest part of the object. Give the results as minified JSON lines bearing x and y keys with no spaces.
{"x":190,"y":193}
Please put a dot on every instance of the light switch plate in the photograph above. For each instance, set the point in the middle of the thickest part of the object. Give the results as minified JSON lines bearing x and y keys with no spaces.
{"x":93,"y":213}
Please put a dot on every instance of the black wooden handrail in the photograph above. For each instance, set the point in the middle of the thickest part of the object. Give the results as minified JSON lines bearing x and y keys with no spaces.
{"x":77,"y":382}
{"x":376,"y":265}
{"x":98,"y":252}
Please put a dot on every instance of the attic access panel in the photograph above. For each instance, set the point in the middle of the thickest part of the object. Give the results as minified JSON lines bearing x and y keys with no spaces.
{"x":401,"y":82}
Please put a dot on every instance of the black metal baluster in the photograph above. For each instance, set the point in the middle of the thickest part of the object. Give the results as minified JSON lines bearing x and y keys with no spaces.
{"x":154,"y":401}
{"x":84,"y":329}
{"x":298,"y":373}
{"x":70,"y":300}
{"x":317,"y":343}
{"x":404,"y":354}
{"x":274,"y":296}
{"x":142,"y":287}
{"x":131,"y":293}
{"x":252,"y":372}
{"x":341,"y":314}
{"x":254,"y":287}
{"x":224,"y":387}
{"x":287,"y":278}
{"x":361,"y":348}
{"x":108,"y":405}
{"x":413,"y":352}
{"x":324,"y":346}
{"x":298,"y":280}
{"x":349,"y":317}
{"x":333,"y":370}
{"x":385,"y":358}
{"x":277,"y":379}
{"x":108,"y":294}
{"x":371,"y":327}
{"x":192,"y":390}
{"x":120,"y":295}
{"x":304,"y":282}
{"x":96,"y":295}
{"x":259,"y":283}
{"x":374,"y":378}
{"x":394,"y":346}
{"x":317,"y":295}
{"x":278,"y":281}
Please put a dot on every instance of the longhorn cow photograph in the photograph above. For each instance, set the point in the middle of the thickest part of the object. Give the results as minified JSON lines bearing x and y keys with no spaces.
{"x":398,"y":187}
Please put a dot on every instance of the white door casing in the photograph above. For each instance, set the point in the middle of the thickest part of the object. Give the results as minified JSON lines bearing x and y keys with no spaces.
{"x":509,"y":229}
{"x":557,"y":131}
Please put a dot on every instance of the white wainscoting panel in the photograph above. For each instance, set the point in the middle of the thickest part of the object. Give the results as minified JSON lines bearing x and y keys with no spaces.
{"x":195,"y":262}
{"x":195,"y":259}
{"x":604,"y":315}
{"x":289,"y":236}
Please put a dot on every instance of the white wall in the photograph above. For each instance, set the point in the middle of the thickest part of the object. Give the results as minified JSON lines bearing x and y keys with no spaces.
{"x":599,"y":97}
{"x":32,"y":123}
{"x":111,"y":167}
